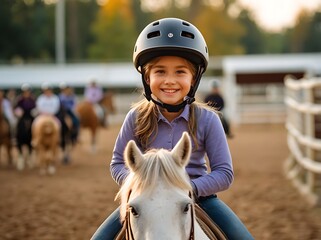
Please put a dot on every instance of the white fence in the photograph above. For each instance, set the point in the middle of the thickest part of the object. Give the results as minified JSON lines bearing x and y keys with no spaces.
{"x":303,"y":166}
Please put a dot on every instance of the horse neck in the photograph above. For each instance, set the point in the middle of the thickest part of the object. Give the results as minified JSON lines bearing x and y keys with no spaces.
{"x":107,"y":102}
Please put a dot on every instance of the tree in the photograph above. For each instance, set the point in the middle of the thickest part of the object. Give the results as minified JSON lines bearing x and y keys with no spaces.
{"x":297,"y":35}
{"x":221,"y":32}
{"x":252,"y":40}
{"x":81,"y":15}
{"x":28,"y":28}
{"x":313,"y":35}
{"x":114,"y":32}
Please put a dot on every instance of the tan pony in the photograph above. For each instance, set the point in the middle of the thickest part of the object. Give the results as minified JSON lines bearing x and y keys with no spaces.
{"x":88,"y":114}
{"x":45,"y":141}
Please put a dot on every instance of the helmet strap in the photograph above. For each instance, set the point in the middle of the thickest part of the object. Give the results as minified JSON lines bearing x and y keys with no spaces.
{"x":173,"y":108}
{"x":198,"y":77}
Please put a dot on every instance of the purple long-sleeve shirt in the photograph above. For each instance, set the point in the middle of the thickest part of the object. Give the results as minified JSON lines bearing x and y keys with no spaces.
{"x":211,"y":142}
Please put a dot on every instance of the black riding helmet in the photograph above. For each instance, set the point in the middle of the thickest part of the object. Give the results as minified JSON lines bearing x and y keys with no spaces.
{"x":171,"y":37}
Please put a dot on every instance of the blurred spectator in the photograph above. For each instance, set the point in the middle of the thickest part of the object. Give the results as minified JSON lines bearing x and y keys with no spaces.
{"x":215,"y":100}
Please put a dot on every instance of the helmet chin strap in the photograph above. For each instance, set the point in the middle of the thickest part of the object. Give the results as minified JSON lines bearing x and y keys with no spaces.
{"x":174,"y":108}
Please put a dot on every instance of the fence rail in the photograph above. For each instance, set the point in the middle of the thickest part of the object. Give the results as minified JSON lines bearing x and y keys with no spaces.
{"x":303,"y":166}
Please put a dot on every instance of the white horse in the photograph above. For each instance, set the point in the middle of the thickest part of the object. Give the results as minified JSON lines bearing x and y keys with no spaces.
{"x":156,"y":201}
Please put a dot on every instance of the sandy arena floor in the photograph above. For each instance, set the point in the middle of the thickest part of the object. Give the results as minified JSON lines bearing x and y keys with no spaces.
{"x":73,"y":203}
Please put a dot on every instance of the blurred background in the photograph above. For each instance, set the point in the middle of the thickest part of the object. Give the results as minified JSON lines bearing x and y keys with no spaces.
{"x":253,"y":45}
{"x":105,"y":30}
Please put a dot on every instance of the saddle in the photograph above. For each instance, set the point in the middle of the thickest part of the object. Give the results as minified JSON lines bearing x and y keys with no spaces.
{"x":209,"y":227}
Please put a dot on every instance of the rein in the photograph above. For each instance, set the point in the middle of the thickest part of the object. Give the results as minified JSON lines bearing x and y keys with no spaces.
{"x":129,"y":230}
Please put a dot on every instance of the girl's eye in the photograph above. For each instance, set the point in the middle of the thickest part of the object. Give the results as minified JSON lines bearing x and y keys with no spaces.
{"x":159,"y":72}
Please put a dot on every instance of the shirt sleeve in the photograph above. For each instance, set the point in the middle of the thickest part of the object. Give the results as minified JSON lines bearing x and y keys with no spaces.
{"x":118,"y":169}
{"x":221,"y":173}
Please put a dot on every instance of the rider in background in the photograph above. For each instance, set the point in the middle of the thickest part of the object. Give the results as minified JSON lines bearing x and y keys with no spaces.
{"x":12,"y":96}
{"x":94,"y":94}
{"x":68,"y":103}
{"x":7,"y":112}
{"x":26,"y":103}
{"x":49,"y":103}
{"x":215,"y":100}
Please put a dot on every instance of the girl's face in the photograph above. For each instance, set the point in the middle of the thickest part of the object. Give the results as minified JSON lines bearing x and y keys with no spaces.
{"x":170,"y":79}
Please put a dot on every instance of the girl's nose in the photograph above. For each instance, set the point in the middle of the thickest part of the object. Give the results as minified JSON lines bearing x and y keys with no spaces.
{"x":169,"y":79}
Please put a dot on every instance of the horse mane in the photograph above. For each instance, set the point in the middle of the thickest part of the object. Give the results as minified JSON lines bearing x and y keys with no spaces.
{"x":158,"y":165}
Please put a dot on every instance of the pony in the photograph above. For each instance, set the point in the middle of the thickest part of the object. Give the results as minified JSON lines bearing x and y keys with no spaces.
{"x":90,"y":115}
{"x":5,"y":138}
{"x":45,"y":141}
{"x":23,"y":139}
{"x":156,"y":200}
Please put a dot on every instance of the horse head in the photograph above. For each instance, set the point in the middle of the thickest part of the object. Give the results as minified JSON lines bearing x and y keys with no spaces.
{"x":156,"y":196}
{"x":107,"y":102}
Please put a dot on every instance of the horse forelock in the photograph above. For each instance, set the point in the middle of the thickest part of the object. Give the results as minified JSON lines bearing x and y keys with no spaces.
{"x":158,"y":166}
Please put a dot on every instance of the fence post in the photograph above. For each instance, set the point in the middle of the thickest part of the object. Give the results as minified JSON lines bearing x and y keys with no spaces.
{"x":310,"y":132}
{"x":303,"y":165}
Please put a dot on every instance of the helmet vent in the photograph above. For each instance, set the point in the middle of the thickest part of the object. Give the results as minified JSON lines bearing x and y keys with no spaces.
{"x":156,"y":23}
{"x":153,"y":34}
{"x":187,"y":35}
{"x":185,"y":23}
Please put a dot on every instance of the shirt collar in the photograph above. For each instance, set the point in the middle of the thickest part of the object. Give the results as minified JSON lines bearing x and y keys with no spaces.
{"x":184,"y":114}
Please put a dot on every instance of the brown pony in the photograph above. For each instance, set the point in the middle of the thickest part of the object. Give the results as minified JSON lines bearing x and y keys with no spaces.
{"x":45,"y":141}
{"x":89,"y":118}
{"x":5,"y":139}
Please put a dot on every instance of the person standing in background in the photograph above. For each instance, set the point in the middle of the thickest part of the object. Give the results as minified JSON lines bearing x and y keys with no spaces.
{"x":216,"y":101}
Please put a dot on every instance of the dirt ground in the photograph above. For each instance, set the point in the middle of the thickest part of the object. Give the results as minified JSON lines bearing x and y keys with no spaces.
{"x":71,"y":204}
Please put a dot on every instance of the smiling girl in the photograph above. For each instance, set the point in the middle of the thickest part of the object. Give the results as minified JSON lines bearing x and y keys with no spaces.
{"x":171,"y":55}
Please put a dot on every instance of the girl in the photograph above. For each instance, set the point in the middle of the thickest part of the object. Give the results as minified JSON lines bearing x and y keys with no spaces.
{"x":171,"y":56}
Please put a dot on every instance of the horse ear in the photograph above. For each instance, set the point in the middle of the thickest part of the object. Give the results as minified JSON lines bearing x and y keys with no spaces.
{"x":132,"y":155}
{"x":182,"y":151}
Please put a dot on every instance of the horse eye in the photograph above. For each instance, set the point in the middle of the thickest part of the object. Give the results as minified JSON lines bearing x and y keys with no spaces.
{"x":133,"y":211}
{"x":186,"y":208}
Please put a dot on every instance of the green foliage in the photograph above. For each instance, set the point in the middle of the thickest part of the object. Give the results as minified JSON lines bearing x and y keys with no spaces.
{"x":108,"y":32}
{"x":28,"y":28}
{"x":222,"y":33}
{"x":253,"y":39}
{"x":79,"y":18}
{"x":313,"y":35}
{"x":114,"y":32}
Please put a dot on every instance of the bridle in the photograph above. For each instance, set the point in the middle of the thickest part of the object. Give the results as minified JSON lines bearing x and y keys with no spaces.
{"x":129,"y":230}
